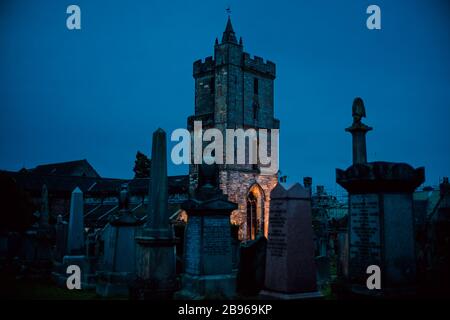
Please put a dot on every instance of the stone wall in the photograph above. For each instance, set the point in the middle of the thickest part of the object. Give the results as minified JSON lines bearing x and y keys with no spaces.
{"x":237,"y":184}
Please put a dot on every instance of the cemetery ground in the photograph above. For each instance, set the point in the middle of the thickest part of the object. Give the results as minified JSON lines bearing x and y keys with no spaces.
{"x":29,"y":289}
{"x":18,"y":287}
{"x":26,"y":288}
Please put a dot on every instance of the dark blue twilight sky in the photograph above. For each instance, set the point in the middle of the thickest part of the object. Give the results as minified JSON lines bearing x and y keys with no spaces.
{"x":99,"y":93}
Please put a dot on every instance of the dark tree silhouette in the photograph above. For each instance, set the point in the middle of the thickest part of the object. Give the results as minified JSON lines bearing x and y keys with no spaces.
{"x":142,"y":166}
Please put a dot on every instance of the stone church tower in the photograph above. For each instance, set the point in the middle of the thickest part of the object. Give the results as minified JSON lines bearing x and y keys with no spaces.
{"x":232,"y":91}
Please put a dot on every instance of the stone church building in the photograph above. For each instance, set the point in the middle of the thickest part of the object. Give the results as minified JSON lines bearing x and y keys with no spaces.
{"x":235,"y":91}
{"x":232,"y":90}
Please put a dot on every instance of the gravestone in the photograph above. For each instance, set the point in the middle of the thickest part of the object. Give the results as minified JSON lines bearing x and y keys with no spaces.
{"x":235,"y":245}
{"x":323,"y":270}
{"x":381,"y":226}
{"x":252,"y":266}
{"x":290,"y":265}
{"x":37,"y":244}
{"x":60,"y":250}
{"x":44,"y":212}
{"x":342,"y":263}
{"x":208,"y":262}
{"x":61,"y":229}
{"x":76,"y":242}
{"x":156,"y":256}
{"x":365,"y":232}
{"x":119,"y":265}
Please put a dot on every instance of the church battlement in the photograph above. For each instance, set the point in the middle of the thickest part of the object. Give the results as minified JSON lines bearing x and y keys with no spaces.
{"x":257,"y":64}
{"x":204,"y":66}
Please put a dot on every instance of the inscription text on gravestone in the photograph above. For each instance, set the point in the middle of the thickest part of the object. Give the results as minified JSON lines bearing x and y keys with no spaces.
{"x":365,"y":243}
{"x":277,"y":234}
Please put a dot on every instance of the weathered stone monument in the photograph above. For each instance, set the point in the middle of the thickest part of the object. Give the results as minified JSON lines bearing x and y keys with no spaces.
{"x":76,"y":254}
{"x":60,"y":251}
{"x":156,"y":256}
{"x":61,"y":230}
{"x":290,"y":265}
{"x":44,"y":213}
{"x":75,"y":240}
{"x":342,"y":259}
{"x":358,"y":131}
{"x":208,"y":262}
{"x":380,"y":228}
{"x":252,"y":266}
{"x":38,"y":240}
{"x":119,"y":264}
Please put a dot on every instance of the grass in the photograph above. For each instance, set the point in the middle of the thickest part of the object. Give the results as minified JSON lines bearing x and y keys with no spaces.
{"x":34,"y":290}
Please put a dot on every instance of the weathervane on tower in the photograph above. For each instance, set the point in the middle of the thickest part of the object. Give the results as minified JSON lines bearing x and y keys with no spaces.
{"x":228,"y":10}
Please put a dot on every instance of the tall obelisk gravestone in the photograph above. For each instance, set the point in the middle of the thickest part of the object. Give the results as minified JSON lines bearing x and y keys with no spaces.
{"x":75,"y":240}
{"x":380,"y":230}
{"x":156,"y":242}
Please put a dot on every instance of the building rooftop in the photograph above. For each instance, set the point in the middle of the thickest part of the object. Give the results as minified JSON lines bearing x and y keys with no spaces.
{"x":69,"y":168}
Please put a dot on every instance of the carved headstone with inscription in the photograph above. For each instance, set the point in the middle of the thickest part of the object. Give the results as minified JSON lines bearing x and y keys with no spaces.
{"x":290,"y":265}
{"x":208,"y":262}
{"x":381,"y":228}
{"x":365,"y":242}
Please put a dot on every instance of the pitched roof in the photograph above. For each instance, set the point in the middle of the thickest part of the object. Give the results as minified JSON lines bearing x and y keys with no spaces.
{"x":64,"y":185}
{"x":229,"y":35}
{"x":69,"y":168}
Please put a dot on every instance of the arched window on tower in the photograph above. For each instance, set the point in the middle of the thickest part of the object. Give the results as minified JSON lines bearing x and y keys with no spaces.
{"x":255,"y":212}
{"x":252,"y":226}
